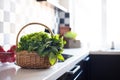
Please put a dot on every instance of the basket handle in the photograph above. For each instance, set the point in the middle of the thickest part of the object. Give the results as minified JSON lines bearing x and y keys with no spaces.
{"x":32,"y":24}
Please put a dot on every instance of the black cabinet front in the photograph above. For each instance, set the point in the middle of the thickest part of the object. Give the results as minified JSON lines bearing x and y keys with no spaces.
{"x":79,"y":72}
{"x":73,"y":74}
{"x":104,"y":67}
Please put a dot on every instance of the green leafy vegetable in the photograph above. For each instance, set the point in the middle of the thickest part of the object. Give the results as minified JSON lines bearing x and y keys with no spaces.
{"x":44,"y":44}
{"x":52,"y":58}
{"x":60,"y":57}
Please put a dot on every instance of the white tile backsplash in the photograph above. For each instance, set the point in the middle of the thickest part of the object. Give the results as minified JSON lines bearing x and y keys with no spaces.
{"x":14,"y":14}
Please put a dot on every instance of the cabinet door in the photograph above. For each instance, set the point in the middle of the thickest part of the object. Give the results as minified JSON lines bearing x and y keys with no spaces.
{"x":80,"y":74}
{"x":105,"y":67}
{"x":85,"y":66}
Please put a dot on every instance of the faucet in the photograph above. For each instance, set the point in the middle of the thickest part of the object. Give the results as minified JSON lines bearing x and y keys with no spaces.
{"x":112,"y":45}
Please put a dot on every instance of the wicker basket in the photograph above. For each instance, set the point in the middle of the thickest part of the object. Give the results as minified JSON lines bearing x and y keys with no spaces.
{"x":27,"y":59}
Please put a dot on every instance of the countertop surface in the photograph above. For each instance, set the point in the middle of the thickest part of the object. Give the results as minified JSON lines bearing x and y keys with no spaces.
{"x":10,"y":71}
{"x":105,"y":52}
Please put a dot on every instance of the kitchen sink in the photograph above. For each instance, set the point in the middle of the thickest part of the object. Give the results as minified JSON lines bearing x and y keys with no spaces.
{"x":66,"y":56}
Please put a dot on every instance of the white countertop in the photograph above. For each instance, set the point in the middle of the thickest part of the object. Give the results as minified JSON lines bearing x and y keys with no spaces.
{"x":106,"y":52}
{"x":9,"y":71}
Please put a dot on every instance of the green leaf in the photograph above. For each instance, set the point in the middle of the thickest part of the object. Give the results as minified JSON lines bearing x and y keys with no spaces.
{"x":70,"y":34}
{"x":45,"y":53}
{"x":60,"y":57}
{"x":40,"y":50}
{"x":52,"y":58}
{"x":54,"y":49}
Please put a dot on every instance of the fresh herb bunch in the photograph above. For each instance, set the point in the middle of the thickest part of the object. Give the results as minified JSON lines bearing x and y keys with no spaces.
{"x":43,"y":44}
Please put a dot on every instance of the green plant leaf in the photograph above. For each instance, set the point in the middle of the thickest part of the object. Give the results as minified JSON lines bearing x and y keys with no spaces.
{"x":40,"y":50}
{"x":70,"y":34}
{"x":54,"y":49}
{"x":52,"y":58}
{"x":60,"y":57}
{"x":45,"y":53}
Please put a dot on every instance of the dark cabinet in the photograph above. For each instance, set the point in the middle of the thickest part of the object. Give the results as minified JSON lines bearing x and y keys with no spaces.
{"x":97,"y":67}
{"x":79,"y":72}
{"x":86,"y":69}
{"x":104,"y":67}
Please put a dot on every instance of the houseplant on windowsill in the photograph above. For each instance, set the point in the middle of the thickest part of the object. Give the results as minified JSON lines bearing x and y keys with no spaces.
{"x":39,"y":49}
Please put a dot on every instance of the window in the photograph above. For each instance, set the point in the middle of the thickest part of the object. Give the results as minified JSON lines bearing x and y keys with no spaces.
{"x":96,"y":22}
{"x":113,"y":22}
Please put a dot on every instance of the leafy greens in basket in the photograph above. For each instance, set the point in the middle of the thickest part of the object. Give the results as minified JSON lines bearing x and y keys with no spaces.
{"x":44,"y":45}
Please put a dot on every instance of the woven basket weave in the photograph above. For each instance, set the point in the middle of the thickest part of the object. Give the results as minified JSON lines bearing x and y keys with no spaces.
{"x":27,"y":59}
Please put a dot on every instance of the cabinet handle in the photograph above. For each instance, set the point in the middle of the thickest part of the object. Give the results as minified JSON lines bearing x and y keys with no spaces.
{"x":77,"y":67}
{"x":86,"y":59}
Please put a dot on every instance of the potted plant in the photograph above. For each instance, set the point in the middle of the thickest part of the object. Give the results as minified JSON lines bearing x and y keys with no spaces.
{"x":71,"y":42}
{"x":70,"y":35}
{"x":43,"y":44}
